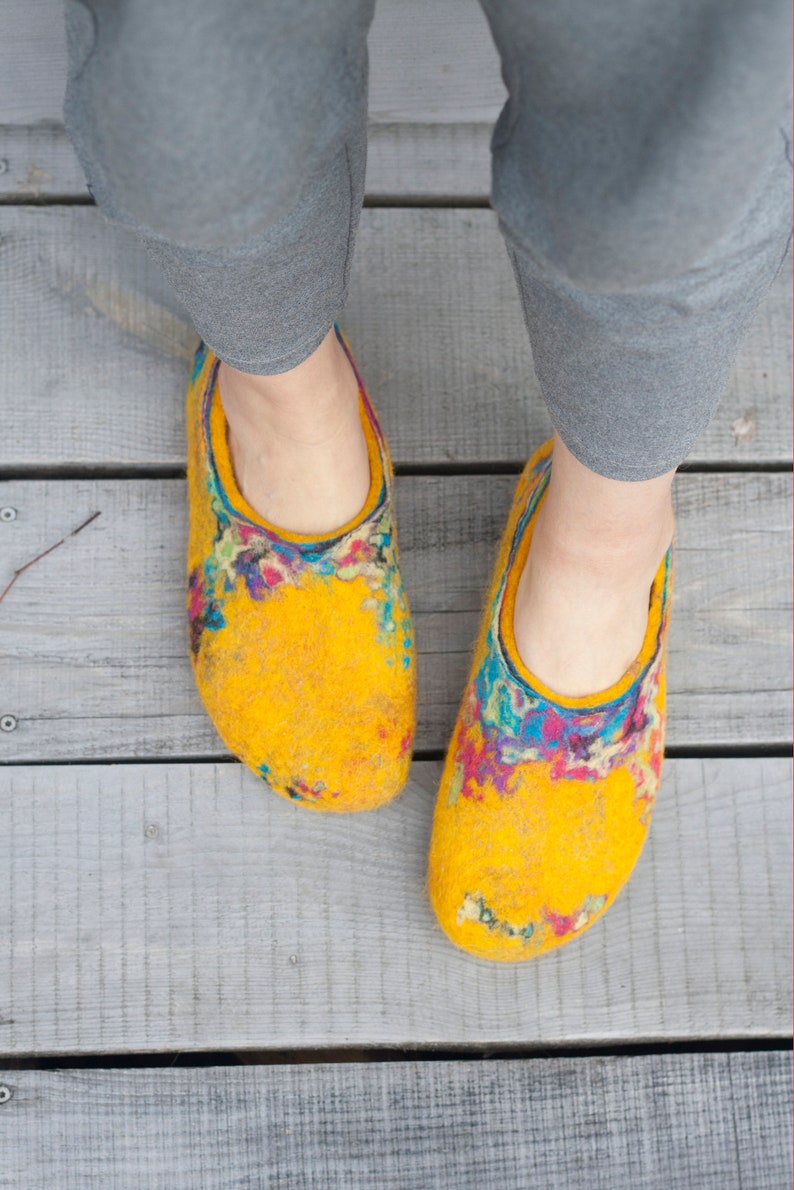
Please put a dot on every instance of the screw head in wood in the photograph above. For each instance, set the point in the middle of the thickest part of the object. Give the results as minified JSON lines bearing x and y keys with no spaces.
{"x":8,"y":722}
{"x":3,"y":165}
{"x":8,"y":514}
{"x":5,"y":1094}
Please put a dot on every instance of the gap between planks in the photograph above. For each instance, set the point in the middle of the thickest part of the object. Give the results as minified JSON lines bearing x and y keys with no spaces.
{"x":95,"y":633}
{"x":433,"y":318}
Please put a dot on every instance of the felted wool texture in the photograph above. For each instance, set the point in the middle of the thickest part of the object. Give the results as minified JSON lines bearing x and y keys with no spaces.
{"x":545,"y":801}
{"x":302,"y":647}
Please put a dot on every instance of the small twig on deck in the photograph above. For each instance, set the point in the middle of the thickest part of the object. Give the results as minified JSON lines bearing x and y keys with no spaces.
{"x":38,"y":557}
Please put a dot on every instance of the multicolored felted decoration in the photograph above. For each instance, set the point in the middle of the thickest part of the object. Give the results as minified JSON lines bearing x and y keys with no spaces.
{"x":302,"y":647}
{"x":545,"y":801}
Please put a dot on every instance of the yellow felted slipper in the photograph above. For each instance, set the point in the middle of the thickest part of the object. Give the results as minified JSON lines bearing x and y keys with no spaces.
{"x":545,"y":801}
{"x":302,"y":647}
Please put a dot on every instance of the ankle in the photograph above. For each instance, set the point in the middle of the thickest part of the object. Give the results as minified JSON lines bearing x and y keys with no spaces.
{"x":296,"y":442}
{"x":321,"y":379}
{"x":307,"y":406}
{"x":608,"y":531}
{"x":609,"y":554}
{"x":581,"y":609}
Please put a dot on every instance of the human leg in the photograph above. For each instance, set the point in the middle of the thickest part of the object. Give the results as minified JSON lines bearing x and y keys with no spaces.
{"x":231,"y":140}
{"x":232,"y":143}
{"x":643,"y":190}
{"x":641,"y":174}
{"x":582,"y":602}
{"x":296,"y":440}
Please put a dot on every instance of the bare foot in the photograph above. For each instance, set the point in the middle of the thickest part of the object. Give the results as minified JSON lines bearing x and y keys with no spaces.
{"x":296,"y":442}
{"x":581,"y":608}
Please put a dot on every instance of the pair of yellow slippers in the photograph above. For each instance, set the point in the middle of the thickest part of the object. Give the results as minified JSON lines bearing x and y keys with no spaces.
{"x":304,"y":658}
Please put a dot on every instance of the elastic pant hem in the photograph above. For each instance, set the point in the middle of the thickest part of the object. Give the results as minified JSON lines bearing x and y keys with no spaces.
{"x":273,"y":366}
{"x":624,"y":472}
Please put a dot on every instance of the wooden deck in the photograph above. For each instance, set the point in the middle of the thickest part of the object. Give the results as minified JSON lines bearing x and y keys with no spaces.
{"x":157,"y":908}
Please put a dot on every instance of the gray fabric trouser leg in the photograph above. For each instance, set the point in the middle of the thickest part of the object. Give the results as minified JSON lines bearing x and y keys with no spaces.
{"x":641,"y":175}
{"x":230,"y":137}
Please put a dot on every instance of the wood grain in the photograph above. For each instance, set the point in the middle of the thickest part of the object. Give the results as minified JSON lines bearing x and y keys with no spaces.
{"x":661,"y":1122}
{"x":428,"y":162}
{"x":176,"y":907}
{"x":97,"y":349}
{"x":95,"y":656}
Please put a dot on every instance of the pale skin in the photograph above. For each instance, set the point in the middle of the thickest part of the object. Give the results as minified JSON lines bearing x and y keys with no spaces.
{"x":300,"y":459}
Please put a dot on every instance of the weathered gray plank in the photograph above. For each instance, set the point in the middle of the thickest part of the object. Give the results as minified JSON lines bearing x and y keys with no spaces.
{"x":662,"y":1122}
{"x":95,"y":637}
{"x":433,"y":66}
{"x":429,"y":162}
{"x":38,"y":161}
{"x":32,"y":62}
{"x":185,"y":907}
{"x":97,"y":349}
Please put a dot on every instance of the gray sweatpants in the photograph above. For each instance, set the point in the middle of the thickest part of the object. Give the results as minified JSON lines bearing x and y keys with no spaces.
{"x":641,"y":175}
